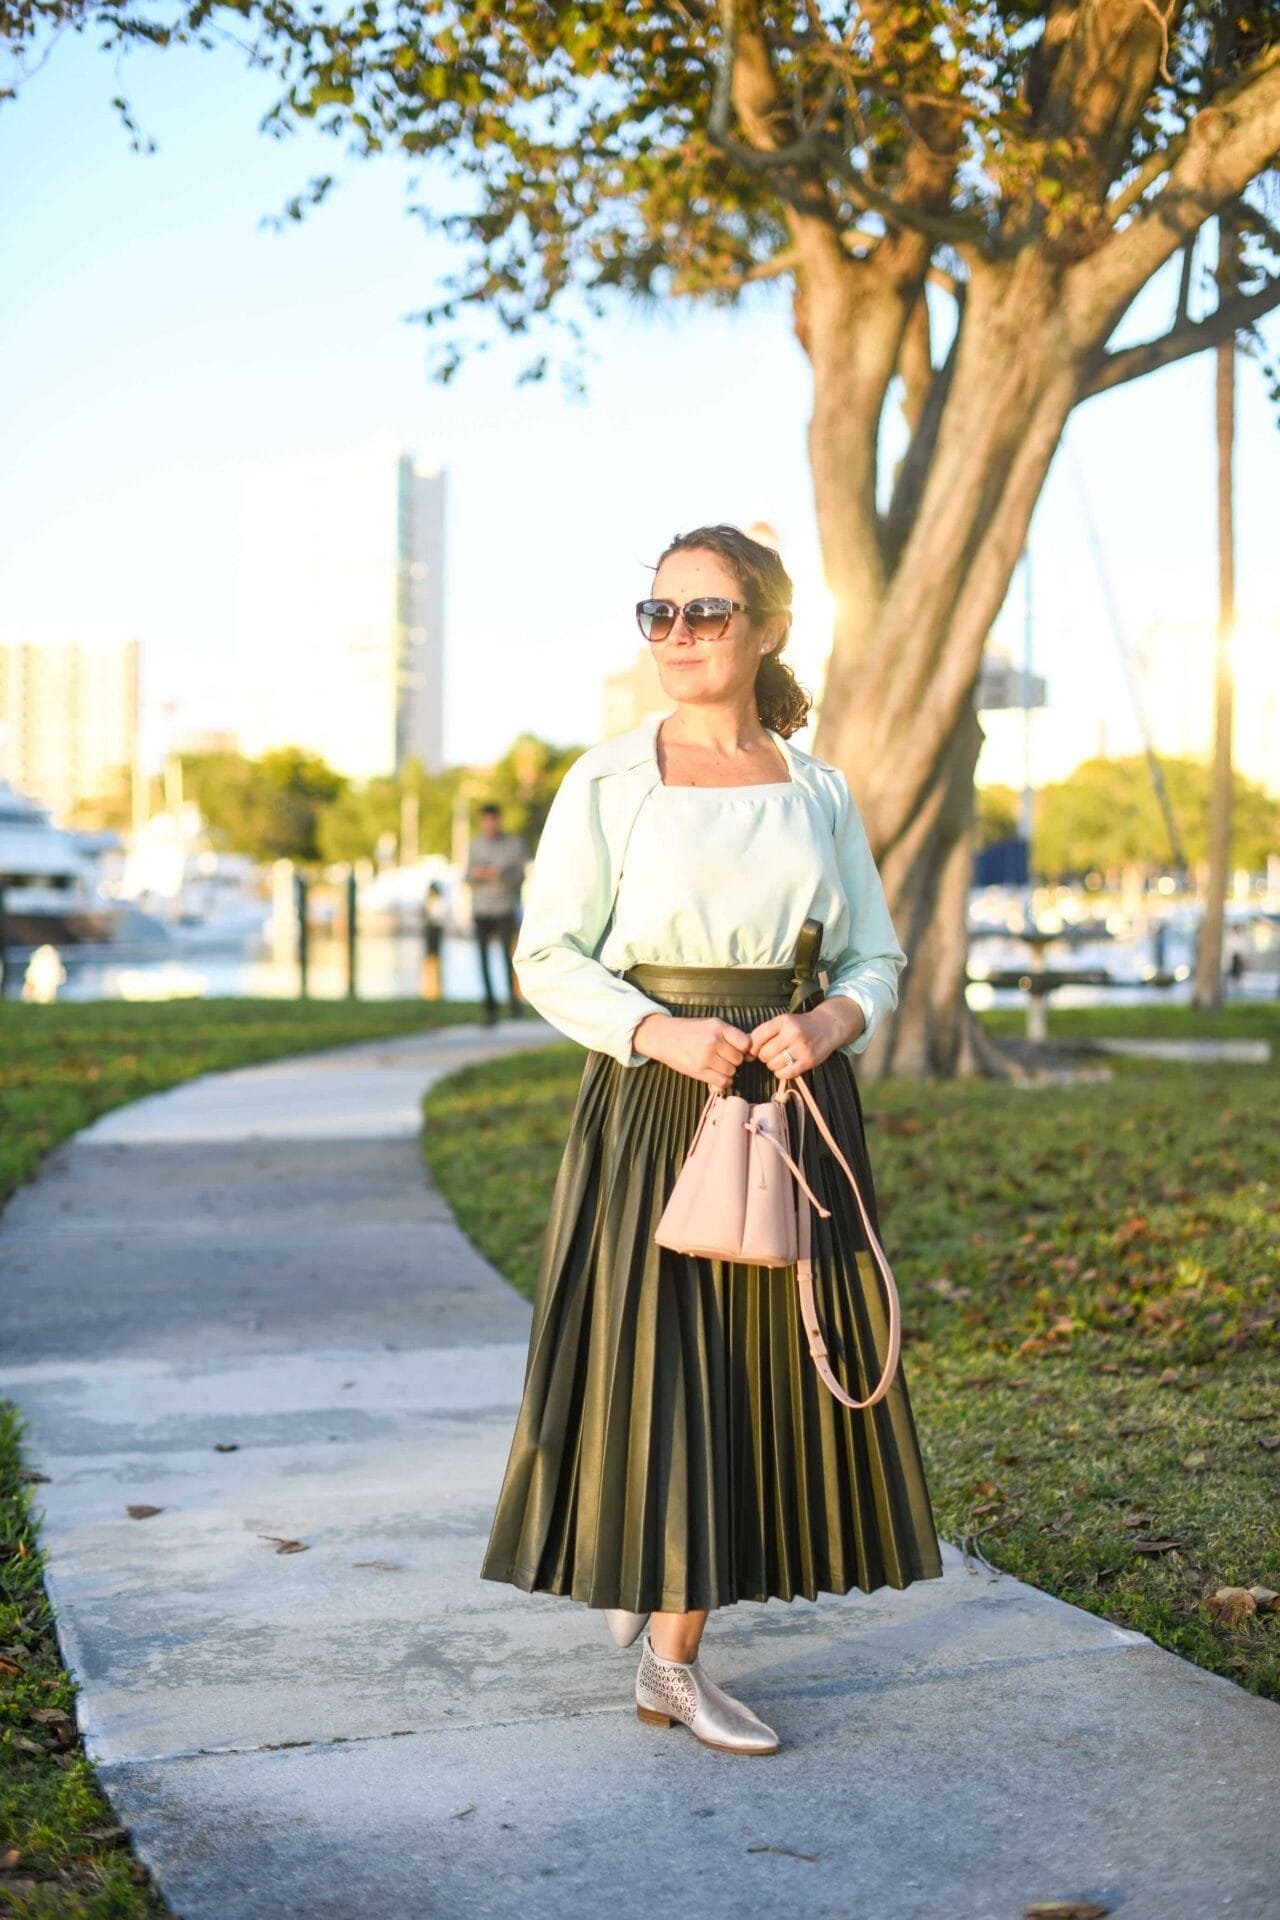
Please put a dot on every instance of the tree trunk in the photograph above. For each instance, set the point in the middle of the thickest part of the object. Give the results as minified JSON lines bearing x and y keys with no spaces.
{"x":1208,"y":984}
{"x":898,"y":716}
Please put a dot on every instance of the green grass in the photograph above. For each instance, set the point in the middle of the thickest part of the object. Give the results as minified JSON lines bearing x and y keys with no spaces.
{"x":65,"y":1854}
{"x":60,"y":1066}
{"x":1091,"y":1306}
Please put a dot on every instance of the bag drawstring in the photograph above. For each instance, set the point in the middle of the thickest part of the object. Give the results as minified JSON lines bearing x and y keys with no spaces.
{"x":762,"y":1133}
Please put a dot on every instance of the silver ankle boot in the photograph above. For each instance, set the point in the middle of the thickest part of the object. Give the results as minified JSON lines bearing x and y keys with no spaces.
{"x":625,"y":1627}
{"x":671,"y":1690}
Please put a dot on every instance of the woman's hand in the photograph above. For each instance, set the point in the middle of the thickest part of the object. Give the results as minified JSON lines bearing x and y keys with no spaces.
{"x":811,"y":1037}
{"x":709,"y":1050}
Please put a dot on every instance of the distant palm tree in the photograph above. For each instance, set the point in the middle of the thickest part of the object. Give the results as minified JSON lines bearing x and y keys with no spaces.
{"x":1208,"y":983}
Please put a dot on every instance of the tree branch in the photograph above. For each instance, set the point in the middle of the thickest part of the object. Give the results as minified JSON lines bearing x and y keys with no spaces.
{"x":913,"y":468}
{"x":785,"y":262}
{"x":915,"y":362}
{"x":944,"y":229}
{"x":746,"y":84}
{"x":812,"y":153}
{"x":1098,"y":77}
{"x":1130,"y":363}
{"x":1148,"y":173}
{"x":768,"y":156}
{"x":1184,"y":283}
{"x":1226,"y":146}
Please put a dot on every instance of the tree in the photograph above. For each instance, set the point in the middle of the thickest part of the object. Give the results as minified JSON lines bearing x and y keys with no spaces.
{"x":965,"y":201}
{"x":1106,"y":816}
{"x":525,"y":780}
{"x":269,"y":808}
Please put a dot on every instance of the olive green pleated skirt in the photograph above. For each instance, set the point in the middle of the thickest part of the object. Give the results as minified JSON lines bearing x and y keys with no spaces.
{"x":675,"y":1448}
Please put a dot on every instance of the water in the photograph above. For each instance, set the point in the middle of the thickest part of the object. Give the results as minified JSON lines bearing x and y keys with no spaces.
{"x":389,"y":966}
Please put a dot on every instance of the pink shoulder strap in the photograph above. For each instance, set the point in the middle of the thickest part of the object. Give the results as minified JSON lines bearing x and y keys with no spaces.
{"x":804,"y":1267}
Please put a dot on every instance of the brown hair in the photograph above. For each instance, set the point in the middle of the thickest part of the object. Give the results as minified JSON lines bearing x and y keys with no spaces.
{"x":781,"y":702}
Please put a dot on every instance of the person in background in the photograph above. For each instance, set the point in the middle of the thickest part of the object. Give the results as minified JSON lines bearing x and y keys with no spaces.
{"x":495,"y":873}
{"x":435,"y":910}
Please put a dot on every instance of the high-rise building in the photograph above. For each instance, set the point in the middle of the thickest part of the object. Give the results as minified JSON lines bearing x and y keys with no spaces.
{"x":341,"y":609}
{"x":69,"y":715}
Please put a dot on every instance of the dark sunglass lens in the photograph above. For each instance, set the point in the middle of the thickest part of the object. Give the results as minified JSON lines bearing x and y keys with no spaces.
{"x":708,"y":618}
{"x":656,"y":618}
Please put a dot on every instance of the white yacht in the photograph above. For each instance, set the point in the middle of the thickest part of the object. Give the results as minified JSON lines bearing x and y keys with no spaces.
{"x":49,"y":888}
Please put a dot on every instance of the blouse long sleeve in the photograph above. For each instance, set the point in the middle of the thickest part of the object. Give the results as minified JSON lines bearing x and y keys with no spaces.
{"x":868,"y":968}
{"x":568,"y":902}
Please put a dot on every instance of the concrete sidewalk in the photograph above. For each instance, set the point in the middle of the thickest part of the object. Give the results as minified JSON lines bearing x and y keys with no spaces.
{"x":257,"y":1262}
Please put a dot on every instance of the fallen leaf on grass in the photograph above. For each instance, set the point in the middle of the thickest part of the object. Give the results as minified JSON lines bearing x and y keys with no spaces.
{"x":30,"y":1473}
{"x":108,"y":1836}
{"x":790,"y":1852}
{"x":1266,"y":1599}
{"x":1269,"y":1441}
{"x":1064,"y":1910}
{"x":1230,"y":1605}
{"x":283,"y":1545}
{"x":1196,"y":1462}
{"x":139,"y":1511}
{"x":58,"y":1722}
{"x":23,"y":1745}
{"x":1137,"y":1519}
{"x":1155,"y":1546}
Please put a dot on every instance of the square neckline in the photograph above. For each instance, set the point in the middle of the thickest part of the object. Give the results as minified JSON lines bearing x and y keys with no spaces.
{"x":750,"y":786}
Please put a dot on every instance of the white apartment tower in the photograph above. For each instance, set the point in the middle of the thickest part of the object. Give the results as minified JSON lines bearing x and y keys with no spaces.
{"x":341,"y":609}
{"x":69,"y":714}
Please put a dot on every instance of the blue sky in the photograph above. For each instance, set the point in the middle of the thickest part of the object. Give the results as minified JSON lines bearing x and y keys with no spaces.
{"x":158,"y":338}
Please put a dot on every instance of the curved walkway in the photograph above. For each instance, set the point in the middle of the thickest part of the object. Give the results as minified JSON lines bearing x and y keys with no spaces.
{"x":243,"y":1303}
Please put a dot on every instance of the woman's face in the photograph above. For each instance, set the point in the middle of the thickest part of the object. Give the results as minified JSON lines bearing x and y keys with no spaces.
{"x":707,"y":671}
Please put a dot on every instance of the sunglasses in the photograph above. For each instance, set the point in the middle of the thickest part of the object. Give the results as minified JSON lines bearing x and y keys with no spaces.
{"x":706,"y":619}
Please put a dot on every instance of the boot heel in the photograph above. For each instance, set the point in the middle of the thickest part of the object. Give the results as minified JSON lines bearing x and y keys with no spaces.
{"x":654,"y":1719}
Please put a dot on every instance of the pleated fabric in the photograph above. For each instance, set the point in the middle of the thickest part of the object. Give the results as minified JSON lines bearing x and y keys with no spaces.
{"x":675,"y":1448}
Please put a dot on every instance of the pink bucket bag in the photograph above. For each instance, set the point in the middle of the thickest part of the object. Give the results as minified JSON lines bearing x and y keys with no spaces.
{"x":741,"y":1196}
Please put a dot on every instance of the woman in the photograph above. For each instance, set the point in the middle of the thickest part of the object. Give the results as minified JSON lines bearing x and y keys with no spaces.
{"x":675,"y":1450}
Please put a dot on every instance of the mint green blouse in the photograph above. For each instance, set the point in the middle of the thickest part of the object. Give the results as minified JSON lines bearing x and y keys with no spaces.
{"x":709,"y":877}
